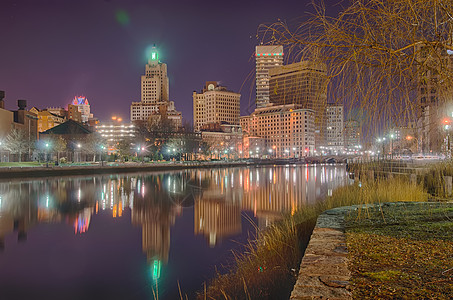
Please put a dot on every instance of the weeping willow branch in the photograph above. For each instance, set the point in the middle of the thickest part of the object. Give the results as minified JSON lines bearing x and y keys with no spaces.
{"x":377,"y":52}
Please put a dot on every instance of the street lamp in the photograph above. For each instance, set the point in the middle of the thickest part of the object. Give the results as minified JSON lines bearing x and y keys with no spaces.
{"x":447,"y":127}
{"x":409,"y":138}
{"x":391,"y":145}
{"x":47,"y":158}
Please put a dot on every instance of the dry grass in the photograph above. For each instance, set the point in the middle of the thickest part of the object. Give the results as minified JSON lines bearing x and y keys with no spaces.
{"x":268,"y":267}
{"x":405,"y":256}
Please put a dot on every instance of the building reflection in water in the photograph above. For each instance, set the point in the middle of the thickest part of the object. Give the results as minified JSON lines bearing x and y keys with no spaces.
{"x":218,"y":197}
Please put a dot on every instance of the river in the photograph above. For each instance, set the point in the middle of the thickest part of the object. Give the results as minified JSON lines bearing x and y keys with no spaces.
{"x":141,"y":235}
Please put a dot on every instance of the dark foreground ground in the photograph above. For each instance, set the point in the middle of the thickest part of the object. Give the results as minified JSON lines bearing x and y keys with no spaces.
{"x":402,"y":251}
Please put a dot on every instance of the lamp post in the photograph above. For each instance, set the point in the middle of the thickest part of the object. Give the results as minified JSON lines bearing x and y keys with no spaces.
{"x":379,"y":140}
{"x":447,"y":128}
{"x":409,"y":138}
{"x":391,"y":145}
{"x":101,"y":155}
{"x":79,"y":154}
{"x":47,"y":158}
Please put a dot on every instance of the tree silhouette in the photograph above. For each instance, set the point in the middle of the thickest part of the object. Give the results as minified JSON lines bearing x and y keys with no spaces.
{"x":16,"y":142}
{"x":378,"y":53}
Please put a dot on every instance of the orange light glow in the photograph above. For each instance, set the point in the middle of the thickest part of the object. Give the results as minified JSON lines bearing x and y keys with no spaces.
{"x":114,"y":118}
{"x":115,"y":209}
{"x":120,"y":119}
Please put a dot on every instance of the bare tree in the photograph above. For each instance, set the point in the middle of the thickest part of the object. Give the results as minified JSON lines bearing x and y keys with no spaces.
{"x":124,"y":148}
{"x":379,"y":53}
{"x":57,"y":143}
{"x":17,"y":142}
{"x":94,"y":144}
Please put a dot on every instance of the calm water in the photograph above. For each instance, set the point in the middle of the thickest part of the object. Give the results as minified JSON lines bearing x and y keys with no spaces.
{"x":121,"y":236}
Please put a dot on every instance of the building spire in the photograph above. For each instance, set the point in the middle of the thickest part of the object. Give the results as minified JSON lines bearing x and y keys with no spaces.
{"x":154,"y":57}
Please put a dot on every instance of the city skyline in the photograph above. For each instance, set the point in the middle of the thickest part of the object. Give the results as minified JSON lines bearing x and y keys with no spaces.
{"x":97,"y":49}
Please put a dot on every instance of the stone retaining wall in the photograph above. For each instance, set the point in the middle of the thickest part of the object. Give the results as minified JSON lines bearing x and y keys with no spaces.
{"x":324,"y":270}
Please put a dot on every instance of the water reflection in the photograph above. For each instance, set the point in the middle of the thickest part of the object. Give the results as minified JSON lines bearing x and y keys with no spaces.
{"x":217,"y":198}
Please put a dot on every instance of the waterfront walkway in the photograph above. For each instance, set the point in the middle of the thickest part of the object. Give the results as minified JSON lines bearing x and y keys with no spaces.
{"x":18,"y":171}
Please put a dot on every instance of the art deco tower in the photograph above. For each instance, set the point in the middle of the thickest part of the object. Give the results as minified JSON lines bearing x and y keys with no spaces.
{"x":154,"y":105}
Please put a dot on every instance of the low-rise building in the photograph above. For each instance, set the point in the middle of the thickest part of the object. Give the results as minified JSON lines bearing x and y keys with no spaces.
{"x":20,"y":119}
{"x":46,"y":119}
{"x":115,"y":131}
{"x":224,"y":140}
{"x":289,"y":130}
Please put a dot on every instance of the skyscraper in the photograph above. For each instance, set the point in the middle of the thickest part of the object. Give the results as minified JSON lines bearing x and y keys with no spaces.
{"x":154,"y":100}
{"x":335,"y":128}
{"x":267,"y":57}
{"x":303,"y":84}
{"x":215,"y":104}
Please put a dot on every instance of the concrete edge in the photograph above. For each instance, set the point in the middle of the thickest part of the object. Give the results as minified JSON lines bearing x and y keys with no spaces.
{"x":324,"y":272}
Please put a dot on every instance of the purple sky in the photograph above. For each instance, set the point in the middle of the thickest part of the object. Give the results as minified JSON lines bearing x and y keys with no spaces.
{"x":53,"y":50}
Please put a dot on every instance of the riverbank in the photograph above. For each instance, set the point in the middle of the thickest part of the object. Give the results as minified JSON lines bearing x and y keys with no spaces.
{"x":269,"y":267}
{"x":27,"y":170}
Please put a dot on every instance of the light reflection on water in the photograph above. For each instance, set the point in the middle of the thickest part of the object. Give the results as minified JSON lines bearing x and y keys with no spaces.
{"x":185,"y":222}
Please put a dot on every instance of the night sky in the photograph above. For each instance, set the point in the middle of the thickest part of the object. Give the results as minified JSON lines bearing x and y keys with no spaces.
{"x":51,"y":51}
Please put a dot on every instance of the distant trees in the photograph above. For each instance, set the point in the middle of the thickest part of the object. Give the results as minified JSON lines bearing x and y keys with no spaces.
{"x":124,"y":149}
{"x":55,"y":144}
{"x":17,"y":142}
{"x":94,"y":144}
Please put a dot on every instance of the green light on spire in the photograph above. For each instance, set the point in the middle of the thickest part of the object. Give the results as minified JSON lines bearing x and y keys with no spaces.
{"x":154,"y":55}
{"x":156,"y":268}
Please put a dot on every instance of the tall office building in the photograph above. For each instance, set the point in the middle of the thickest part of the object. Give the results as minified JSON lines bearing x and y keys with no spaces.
{"x":215,"y":104}
{"x":154,"y":99}
{"x":335,"y":127}
{"x":304,"y":84}
{"x":351,"y":134}
{"x":267,"y":57}
{"x":434,"y":99}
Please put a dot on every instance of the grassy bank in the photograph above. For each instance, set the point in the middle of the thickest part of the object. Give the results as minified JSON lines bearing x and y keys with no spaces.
{"x":402,"y":252}
{"x":269,"y":266}
{"x":21,"y":164}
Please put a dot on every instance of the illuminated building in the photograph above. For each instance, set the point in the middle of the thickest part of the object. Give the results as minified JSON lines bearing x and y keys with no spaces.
{"x":305,"y":84}
{"x":46,"y":119}
{"x":215,"y":104}
{"x":59,"y":111}
{"x":25,"y":121}
{"x":155,"y":94}
{"x":434,"y":100}
{"x":83,"y":106}
{"x":115,"y":130}
{"x":74,"y":113}
{"x":267,"y":57}
{"x":225,"y":140}
{"x":351,"y":134}
{"x":335,"y":127}
{"x":289,"y":130}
